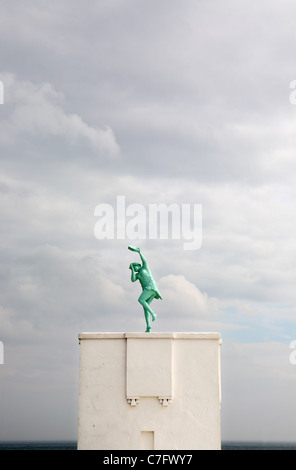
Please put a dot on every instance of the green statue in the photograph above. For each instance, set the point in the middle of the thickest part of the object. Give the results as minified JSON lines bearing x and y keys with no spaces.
{"x":141,"y":272}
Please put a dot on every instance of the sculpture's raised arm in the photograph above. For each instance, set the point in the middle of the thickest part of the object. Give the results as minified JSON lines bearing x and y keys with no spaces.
{"x":144,"y":261}
{"x":138,"y":250}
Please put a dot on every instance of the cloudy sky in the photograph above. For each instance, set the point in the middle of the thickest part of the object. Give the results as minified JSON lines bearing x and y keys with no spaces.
{"x":160,"y":102}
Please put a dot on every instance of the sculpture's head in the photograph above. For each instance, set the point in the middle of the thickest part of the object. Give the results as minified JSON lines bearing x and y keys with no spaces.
{"x":137,"y":267}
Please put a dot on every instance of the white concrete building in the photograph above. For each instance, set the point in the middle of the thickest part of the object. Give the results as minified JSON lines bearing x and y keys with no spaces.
{"x":149,"y":391}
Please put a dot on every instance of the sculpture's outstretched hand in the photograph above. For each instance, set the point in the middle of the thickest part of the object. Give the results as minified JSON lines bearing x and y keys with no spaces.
{"x":134,"y":248}
{"x":138,"y":250}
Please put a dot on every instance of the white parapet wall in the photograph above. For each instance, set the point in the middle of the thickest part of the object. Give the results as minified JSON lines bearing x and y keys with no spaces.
{"x":149,"y":391}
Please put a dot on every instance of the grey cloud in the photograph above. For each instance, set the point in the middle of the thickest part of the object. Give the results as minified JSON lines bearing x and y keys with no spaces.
{"x":193,"y":97}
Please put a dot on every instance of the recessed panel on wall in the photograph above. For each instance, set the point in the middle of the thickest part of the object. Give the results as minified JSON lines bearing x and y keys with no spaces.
{"x":149,"y":368}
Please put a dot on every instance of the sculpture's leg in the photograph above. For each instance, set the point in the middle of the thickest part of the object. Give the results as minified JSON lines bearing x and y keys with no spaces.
{"x":148,"y":302}
{"x":148,"y":329}
{"x":145,"y":299}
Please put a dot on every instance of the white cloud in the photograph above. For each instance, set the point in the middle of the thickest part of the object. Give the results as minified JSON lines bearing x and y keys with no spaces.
{"x":183,"y":296}
{"x":38,"y":111}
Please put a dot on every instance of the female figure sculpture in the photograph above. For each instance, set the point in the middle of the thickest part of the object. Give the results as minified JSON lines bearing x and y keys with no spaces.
{"x":142,"y":273}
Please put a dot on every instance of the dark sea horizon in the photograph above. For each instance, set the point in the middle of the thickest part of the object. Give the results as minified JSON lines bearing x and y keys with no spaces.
{"x":72,"y":445}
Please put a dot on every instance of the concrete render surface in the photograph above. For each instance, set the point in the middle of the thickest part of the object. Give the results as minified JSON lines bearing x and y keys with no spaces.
{"x":150,"y":391}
